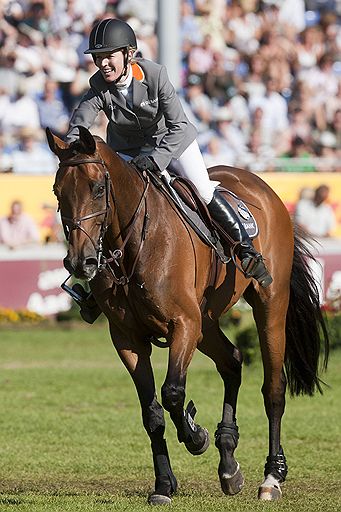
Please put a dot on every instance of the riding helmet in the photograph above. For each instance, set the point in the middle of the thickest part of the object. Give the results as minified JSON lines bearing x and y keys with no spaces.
{"x":110,"y":35}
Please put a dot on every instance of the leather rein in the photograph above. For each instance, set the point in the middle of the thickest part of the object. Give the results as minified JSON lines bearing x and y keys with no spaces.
{"x":116,"y":255}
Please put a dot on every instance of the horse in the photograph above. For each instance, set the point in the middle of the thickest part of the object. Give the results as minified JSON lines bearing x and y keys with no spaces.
{"x":151,"y":275}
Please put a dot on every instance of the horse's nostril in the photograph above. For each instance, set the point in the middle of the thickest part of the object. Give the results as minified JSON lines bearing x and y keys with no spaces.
{"x":90,"y":261}
{"x":68,"y":265}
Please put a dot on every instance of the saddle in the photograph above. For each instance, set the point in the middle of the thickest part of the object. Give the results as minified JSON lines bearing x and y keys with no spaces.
{"x":187,"y":200}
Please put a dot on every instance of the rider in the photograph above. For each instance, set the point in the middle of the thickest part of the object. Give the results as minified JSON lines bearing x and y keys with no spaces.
{"x":148,"y":126}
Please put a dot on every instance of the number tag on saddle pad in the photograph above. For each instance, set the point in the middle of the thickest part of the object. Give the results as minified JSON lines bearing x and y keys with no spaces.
{"x":243,"y":212}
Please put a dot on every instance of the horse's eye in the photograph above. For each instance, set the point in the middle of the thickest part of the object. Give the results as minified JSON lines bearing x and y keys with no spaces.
{"x":99,"y":191}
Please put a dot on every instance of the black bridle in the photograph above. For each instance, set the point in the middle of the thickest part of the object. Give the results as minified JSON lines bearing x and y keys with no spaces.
{"x":116,"y":256}
{"x":70,"y":224}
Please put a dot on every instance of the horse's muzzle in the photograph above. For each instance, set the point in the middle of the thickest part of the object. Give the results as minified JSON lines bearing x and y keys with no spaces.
{"x":85,"y":268}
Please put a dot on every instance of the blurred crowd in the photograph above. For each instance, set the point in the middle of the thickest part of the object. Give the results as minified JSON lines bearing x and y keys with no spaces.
{"x":261,"y":80}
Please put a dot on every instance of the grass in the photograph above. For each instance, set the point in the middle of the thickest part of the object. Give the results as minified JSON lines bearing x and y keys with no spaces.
{"x":71,"y":436}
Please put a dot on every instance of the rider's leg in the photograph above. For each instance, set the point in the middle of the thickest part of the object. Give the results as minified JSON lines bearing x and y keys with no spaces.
{"x":194,"y":168}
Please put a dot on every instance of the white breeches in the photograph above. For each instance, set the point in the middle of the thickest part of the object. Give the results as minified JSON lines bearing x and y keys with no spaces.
{"x":193,"y":168}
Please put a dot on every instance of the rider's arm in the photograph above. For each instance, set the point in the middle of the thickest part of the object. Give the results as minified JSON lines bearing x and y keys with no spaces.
{"x":179,"y":128}
{"x":85,"y":114}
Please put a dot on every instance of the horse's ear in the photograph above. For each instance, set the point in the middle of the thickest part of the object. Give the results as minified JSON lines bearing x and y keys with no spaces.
{"x":55,"y":143}
{"x":87,"y":139}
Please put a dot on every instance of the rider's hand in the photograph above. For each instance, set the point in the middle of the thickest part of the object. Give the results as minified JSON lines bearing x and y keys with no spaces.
{"x":145,"y":163}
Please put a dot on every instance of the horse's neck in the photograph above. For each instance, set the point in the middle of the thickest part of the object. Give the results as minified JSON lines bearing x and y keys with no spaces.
{"x":127,"y":190}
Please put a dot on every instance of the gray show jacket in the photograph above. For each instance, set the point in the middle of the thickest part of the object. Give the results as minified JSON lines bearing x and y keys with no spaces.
{"x":156,"y":118}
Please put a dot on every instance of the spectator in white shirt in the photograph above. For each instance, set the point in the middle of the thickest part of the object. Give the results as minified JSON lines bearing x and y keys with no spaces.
{"x":316,"y":216}
{"x":31,"y":156}
{"x":17,"y":228}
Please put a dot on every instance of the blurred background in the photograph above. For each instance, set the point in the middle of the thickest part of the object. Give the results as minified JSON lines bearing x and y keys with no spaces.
{"x":261,"y":81}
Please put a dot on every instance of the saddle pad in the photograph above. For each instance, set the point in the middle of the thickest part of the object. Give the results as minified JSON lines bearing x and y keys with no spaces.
{"x":243,"y":212}
{"x":190,"y":196}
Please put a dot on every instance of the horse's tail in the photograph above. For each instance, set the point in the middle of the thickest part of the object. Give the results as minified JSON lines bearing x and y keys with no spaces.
{"x":306,"y":331}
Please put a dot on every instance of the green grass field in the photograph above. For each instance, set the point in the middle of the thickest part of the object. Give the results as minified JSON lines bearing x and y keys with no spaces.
{"x":71,"y":436}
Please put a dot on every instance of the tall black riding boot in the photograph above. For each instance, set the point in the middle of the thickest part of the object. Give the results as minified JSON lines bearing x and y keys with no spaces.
{"x":251,"y":261}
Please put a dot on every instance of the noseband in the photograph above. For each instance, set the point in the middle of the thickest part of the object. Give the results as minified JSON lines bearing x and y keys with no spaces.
{"x":76,"y":222}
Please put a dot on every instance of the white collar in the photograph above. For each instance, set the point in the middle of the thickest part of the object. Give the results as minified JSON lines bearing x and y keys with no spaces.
{"x":125,"y":82}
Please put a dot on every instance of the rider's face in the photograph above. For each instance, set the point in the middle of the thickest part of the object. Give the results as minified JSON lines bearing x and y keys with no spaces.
{"x":111,"y":65}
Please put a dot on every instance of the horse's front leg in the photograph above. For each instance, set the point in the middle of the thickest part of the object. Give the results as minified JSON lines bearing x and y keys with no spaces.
{"x":136,"y":357}
{"x":184,"y":339}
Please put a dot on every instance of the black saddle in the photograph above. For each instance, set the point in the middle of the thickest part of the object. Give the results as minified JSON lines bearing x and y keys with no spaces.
{"x":188,"y":201}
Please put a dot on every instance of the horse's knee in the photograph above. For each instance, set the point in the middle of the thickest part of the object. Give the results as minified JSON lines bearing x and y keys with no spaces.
{"x":153,"y":418}
{"x":173,"y":397}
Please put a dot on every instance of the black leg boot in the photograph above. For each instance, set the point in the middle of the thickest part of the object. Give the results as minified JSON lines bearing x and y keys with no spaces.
{"x":251,"y":261}
{"x":89,"y":309}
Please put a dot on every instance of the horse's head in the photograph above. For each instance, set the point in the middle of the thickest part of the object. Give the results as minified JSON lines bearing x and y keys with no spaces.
{"x":82,"y":187}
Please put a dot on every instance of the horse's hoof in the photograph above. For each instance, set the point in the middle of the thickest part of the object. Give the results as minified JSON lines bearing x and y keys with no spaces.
{"x":271,"y":493}
{"x":194,"y":449}
{"x":159,"y":499}
{"x":231,"y":485}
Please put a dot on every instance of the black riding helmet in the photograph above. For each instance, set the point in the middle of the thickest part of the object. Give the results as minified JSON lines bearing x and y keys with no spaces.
{"x":110,"y":35}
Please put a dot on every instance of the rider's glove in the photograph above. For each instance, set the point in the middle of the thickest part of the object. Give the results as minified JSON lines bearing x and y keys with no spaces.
{"x":145,"y":163}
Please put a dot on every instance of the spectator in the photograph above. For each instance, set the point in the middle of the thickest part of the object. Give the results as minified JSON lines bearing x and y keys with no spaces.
{"x":218,"y":80}
{"x":217,"y":152}
{"x":62,"y":65}
{"x":299,"y":159}
{"x":275,"y":112}
{"x":29,"y":62}
{"x":316,"y":216}
{"x":5,"y":158}
{"x":51,"y":225}
{"x":52,"y":112}
{"x":9,"y":78}
{"x":327,"y":153}
{"x":254,"y":81}
{"x":31,"y":156}
{"x":199,"y":102}
{"x":200,"y":58}
{"x":17,"y":229}
{"x":189,"y":24}
{"x":336,"y":129}
{"x":300,"y":125}
{"x":21,"y":112}
{"x":234,"y":138}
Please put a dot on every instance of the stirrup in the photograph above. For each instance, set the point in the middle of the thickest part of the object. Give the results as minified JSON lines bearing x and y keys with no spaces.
{"x":254,"y":267}
{"x":89,"y":309}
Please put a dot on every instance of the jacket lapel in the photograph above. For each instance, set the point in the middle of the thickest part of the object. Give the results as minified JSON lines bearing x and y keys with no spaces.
{"x":139,"y":93}
{"x":118,"y":98}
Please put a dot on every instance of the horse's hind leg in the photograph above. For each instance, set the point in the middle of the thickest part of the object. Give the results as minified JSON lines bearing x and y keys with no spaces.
{"x":228,"y":361}
{"x":270,"y":317}
{"x":136,"y":357}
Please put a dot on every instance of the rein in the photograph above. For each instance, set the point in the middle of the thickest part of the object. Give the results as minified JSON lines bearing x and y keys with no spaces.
{"x":116,"y":256}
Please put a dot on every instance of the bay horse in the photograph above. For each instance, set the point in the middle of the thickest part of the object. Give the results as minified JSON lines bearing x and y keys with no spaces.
{"x":150,"y":274}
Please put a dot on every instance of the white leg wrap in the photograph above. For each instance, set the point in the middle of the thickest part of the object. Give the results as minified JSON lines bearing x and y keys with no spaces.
{"x":270,"y":489}
{"x":270,"y":481}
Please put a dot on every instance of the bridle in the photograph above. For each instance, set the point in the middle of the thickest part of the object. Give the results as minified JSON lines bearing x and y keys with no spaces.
{"x":116,"y":255}
{"x":69,"y":224}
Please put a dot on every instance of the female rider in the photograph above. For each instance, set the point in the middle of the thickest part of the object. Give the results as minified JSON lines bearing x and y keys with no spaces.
{"x":148,"y":126}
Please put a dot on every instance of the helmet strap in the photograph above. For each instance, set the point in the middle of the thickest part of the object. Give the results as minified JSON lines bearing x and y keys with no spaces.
{"x":125,"y":52}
